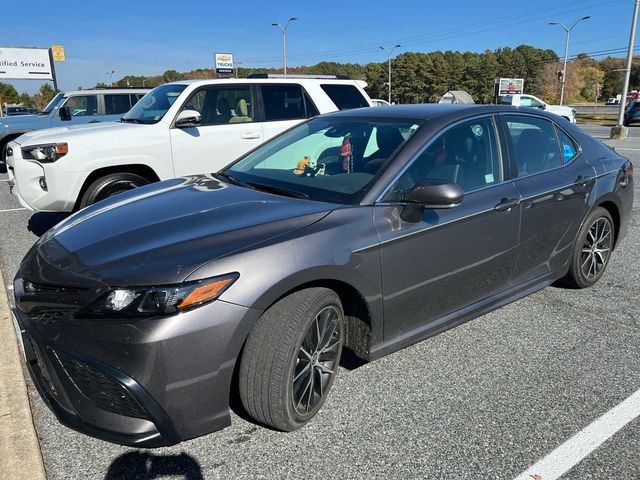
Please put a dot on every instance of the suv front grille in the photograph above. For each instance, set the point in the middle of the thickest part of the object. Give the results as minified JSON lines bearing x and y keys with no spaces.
{"x":100,"y":388}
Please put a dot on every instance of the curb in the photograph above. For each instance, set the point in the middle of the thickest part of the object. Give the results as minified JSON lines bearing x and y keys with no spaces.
{"x":20,"y":455}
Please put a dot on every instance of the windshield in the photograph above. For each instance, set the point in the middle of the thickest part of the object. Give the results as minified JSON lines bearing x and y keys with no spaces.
{"x":325,"y":159}
{"x":55,"y":101}
{"x":152,"y":107}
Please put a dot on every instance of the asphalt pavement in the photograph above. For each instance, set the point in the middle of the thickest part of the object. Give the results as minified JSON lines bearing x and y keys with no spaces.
{"x":487,"y":399}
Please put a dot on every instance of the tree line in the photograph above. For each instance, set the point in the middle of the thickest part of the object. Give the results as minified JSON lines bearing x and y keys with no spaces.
{"x":419,"y":77}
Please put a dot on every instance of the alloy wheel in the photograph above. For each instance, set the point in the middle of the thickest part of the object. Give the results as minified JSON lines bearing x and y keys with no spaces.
{"x":316,"y":362}
{"x":596,"y":248}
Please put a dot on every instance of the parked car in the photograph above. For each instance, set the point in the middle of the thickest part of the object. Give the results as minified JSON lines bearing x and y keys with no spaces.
{"x":524,"y":100}
{"x":180,"y":128}
{"x":12,"y":110}
{"x":613,"y":101}
{"x":631,"y":113}
{"x":71,"y":108}
{"x":366,"y":230}
{"x":379,"y":102}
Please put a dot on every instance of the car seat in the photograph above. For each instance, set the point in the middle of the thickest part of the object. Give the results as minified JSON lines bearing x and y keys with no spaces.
{"x":242,"y":112}
{"x":531,"y":151}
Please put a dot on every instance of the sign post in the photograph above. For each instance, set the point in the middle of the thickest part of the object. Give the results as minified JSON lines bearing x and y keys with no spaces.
{"x":224,"y":62}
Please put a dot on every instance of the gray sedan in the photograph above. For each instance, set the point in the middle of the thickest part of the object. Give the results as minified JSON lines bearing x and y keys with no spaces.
{"x":362,"y":232}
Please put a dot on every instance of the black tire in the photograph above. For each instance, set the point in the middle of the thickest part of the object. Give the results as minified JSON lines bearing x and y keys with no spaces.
{"x":273,"y":369}
{"x":592,"y":250}
{"x":111,"y":185}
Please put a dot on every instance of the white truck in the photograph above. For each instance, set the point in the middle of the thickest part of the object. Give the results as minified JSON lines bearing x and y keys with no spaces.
{"x":525,"y":100}
{"x":180,"y":128}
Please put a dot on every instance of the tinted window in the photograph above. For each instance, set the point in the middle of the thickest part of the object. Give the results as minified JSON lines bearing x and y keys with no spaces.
{"x":81,"y":106}
{"x":466,"y":154}
{"x":535,"y":146}
{"x":567,"y":146}
{"x":117,"y":104}
{"x":222,"y":104}
{"x":345,"y":96}
{"x":285,"y":102}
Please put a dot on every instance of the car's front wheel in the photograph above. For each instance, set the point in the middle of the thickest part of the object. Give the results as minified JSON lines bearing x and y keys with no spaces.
{"x":291,"y":358}
{"x":111,"y":185}
{"x":592,"y":249}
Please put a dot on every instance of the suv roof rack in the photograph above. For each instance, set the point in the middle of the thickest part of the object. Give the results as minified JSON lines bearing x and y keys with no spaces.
{"x":117,"y":88}
{"x":299,"y":75}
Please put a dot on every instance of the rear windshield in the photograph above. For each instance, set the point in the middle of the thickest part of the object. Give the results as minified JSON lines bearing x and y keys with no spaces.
{"x":345,"y":96}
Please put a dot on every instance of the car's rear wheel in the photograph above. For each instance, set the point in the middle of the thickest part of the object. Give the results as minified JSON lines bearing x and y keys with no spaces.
{"x":291,"y":358}
{"x":592,"y":249}
{"x":111,"y":185}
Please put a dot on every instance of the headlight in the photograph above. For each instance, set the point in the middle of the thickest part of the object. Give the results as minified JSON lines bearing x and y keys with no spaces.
{"x":155,"y":301}
{"x":46,"y":153}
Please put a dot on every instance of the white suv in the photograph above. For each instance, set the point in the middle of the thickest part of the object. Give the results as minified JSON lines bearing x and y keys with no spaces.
{"x":177,"y":129}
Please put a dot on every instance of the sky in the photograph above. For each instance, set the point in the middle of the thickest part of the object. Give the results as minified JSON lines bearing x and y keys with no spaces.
{"x":148,"y":37}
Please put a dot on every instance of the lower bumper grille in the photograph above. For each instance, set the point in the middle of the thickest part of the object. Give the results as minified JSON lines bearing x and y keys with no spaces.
{"x":100,"y":388}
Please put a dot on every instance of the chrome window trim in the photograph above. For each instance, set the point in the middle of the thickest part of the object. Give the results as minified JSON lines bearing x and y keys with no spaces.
{"x":490,"y":116}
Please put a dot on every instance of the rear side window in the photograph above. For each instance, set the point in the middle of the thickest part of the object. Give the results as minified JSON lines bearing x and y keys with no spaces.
{"x":568,"y":147}
{"x":286,"y":102}
{"x":535,"y":145}
{"x":345,"y":96}
{"x":117,"y":104}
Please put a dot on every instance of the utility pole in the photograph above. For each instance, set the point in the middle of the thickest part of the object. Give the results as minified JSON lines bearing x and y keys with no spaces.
{"x":566,"y":52}
{"x":235,"y":67}
{"x":389,"y":53}
{"x":284,"y":41}
{"x":620,"y":131}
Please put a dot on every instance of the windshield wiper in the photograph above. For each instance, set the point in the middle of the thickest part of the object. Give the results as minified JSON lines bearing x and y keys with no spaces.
{"x":278,"y":190}
{"x":130,"y":120}
{"x":231,"y":179}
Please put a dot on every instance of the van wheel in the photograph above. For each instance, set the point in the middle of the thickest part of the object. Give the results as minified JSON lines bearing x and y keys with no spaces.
{"x":111,"y":185}
{"x":291,"y":358}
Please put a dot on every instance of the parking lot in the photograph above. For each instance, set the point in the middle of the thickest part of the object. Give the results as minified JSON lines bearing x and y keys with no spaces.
{"x":487,"y":399}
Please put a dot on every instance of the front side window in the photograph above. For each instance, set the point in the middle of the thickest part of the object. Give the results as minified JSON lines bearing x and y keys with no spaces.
{"x":117,"y":104}
{"x":530,"y":102}
{"x":345,"y":96}
{"x":154,"y":105}
{"x":534,"y":142}
{"x":466,"y":154}
{"x":221,"y":104}
{"x":82,"y":105}
{"x":324,"y":159}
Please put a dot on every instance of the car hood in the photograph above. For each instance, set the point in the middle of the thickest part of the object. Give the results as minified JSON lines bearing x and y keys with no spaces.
{"x":161,"y":233}
{"x":53,"y":135}
{"x":20,"y":121}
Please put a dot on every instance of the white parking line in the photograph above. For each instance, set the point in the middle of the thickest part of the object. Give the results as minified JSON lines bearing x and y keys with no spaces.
{"x":583,"y":443}
{"x":12,"y":209}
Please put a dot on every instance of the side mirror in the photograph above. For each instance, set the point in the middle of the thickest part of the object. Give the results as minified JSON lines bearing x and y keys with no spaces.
{"x":431,"y":193}
{"x":188,"y":119}
{"x":65,"y":114}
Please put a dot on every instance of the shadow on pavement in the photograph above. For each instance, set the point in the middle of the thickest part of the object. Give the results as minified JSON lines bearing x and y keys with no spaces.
{"x":40,"y":222}
{"x":146,"y":466}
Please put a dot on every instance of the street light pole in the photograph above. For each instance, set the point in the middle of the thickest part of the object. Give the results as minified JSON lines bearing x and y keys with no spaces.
{"x":284,"y":40}
{"x":619,"y":131}
{"x":389,"y":53}
{"x":111,"y":77}
{"x":566,"y":51}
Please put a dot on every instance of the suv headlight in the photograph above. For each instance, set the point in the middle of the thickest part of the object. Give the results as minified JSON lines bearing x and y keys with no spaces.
{"x":45,"y":153}
{"x":156,"y":301}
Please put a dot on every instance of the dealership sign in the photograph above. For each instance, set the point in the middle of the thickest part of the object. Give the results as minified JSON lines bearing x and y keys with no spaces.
{"x":224,"y":62}
{"x":510,"y":86}
{"x":25,"y":63}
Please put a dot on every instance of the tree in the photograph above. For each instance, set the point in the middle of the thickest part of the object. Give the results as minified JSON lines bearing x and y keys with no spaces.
{"x":591,"y":77}
{"x":8,"y":94}
{"x":44,"y":96}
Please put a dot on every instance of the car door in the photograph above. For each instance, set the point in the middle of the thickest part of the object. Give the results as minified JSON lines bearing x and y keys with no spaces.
{"x":554,"y":182}
{"x":284,"y":105}
{"x":83,"y":109}
{"x":449,"y":258}
{"x":228,"y":129}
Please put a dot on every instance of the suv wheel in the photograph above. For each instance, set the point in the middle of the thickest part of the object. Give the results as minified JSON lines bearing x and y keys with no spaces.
{"x":291,"y":358}
{"x":592,"y":250}
{"x":111,"y":185}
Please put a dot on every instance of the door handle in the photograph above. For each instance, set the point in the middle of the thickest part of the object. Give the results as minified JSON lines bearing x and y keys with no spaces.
{"x":250,"y":135}
{"x":581,"y":180}
{"x":507,"y":204}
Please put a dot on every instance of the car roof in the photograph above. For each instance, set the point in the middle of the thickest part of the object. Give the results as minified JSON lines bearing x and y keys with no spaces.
{"x":292,"y":79}
{"x":432,"y":111}
{"x":107,"y":91}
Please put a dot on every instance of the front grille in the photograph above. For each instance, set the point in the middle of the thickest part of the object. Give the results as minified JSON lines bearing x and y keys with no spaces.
{"x":51,"y":317}
{"x":100,"y":388}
